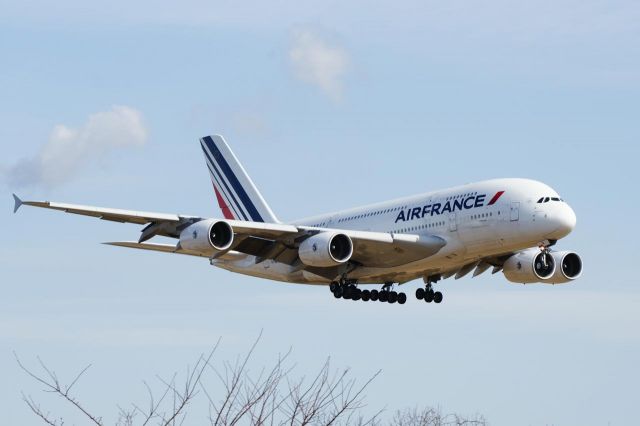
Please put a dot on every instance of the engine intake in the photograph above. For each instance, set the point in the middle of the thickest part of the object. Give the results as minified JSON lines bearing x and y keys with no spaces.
{"x":326,"y":249}
{"x":570,"y":267}
{"x":207,"y":236}
{"x":530,"y":266}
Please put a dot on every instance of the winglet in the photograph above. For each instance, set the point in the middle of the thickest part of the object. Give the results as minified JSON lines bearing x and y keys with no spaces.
{"x":17,"y":201}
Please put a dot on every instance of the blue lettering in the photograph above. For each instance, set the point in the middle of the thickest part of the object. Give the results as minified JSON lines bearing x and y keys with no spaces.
{"x":400,"y":216}
{"x":415,"y":213}
{"x":435,"y":209}
{"x":425,"y":210}
{"x":480,"y":200}
{"x":457,"y":205}
{"x":466,"y":203}
{"x":447,"y":207}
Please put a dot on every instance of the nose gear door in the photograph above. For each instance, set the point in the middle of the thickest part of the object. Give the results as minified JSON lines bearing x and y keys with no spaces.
{"x":515,"y":211}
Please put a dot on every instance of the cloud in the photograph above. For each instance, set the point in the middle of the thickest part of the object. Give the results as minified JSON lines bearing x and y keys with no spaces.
{"x":69,"y":150}
{"x":318,"y":64}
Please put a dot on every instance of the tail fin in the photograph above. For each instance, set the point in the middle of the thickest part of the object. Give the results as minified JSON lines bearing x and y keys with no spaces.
{"x":236,"y":193}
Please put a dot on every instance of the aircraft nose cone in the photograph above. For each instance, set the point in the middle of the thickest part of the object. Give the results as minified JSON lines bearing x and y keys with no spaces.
{"x":565,"y":220}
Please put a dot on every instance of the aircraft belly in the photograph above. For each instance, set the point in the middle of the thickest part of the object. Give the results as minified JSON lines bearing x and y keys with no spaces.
{"x":271,"y":270}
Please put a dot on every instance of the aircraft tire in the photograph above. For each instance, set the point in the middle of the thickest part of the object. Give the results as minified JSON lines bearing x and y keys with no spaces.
{"x":402,"y":298}
{"x":333,"y":286}
{"x":393,"y":297}
{"x":347,"y":293}
{"x":338,"y":293}
{"x":356,"y":295}
{"x":374,"y":295}
{"x":420,"y":293}
{"x":437,"y":297}
{"x":428,"y":296}
{"x":383,"y":296}
{"x":366,"y":295}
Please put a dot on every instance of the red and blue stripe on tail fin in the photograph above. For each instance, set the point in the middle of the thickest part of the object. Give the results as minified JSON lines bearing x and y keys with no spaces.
{"x":236,"y":193}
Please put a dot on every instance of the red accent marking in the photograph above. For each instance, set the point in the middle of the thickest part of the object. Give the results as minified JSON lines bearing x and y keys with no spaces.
{"x":226,"y":211}
{"x":495,"y":198}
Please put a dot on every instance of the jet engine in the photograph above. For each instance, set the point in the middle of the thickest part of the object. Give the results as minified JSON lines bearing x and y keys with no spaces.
{"x":530,"y":266}
{"x":326,"y":249}
{"x":207,"y":236}
{"x":569,"y":267}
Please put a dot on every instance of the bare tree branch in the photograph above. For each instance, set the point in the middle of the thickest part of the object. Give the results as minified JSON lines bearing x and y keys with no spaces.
{"x":270,"y":396}
{"x":53,"y":385}
{"x":37,"y":410}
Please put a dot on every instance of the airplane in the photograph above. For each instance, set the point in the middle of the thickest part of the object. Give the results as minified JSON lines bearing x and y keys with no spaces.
{"x":509,"y":225}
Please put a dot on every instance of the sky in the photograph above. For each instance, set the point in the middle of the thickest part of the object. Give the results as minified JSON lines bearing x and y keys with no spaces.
{"x":328,"y":105}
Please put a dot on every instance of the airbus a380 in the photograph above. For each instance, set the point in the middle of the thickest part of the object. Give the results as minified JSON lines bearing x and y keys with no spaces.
{"x":508,"y":225}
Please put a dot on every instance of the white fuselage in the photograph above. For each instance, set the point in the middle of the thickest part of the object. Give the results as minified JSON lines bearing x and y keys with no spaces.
{"x":478,"y":220}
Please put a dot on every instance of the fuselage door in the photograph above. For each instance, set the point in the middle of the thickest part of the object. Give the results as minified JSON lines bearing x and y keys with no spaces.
{"x":452,"y":222}
{"x":515,"y":211}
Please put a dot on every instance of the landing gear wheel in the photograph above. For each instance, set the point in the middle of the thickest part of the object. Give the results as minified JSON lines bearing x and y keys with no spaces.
{"x":420,"y":293}
{"x":337,"y":293}
{"x":393,"y":297}
{"x":383,"y":296}
{"x":357,"y":294}
{"x":333,"y":286}
{"x":374,"y":295}
{"x":428,"y":296}
{"x":437,"y":297}
{"x":402,"y":298}
{"x":347,"y":293}
{"x":366,"y":295}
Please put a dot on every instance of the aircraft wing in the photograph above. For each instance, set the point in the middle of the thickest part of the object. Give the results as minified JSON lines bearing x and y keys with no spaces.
{"x":115,"y":215}
{"x":261,"y":239}
{"x":168,"y":225}
{"x":372,"y":249}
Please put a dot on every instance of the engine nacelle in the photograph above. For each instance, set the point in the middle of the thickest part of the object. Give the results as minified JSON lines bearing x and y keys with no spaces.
{"x":207,"y":236}
{"x":568,"y":267}
{"x":529,"y":266}
{"x":326,"y":249}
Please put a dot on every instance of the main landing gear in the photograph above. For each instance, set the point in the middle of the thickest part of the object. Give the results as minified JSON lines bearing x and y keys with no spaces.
{"x":347,"y":289}
{"x":427,"y":294}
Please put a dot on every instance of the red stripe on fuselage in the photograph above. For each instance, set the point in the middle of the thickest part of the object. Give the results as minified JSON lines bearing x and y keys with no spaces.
{"x":226,"y":211}
{"x":495,"y":198}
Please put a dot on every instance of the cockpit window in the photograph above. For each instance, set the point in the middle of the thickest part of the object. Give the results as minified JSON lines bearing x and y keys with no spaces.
{"x":547,"y":199}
